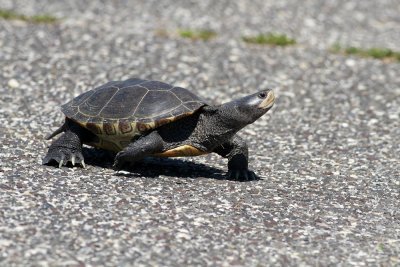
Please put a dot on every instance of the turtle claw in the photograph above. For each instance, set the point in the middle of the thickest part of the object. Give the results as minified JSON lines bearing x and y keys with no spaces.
{"x":246,"y":176}
{"x":241,"y":175}
{"x":73,"y":158}
{"x":118,"y":164}
{"x":236,"y":174}
{"x":120,"y":159}
{"x":61,"y":157}
{"x":60,"y":163}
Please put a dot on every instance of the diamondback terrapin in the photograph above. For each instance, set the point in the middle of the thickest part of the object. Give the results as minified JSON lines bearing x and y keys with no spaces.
{"x":139,"y":118}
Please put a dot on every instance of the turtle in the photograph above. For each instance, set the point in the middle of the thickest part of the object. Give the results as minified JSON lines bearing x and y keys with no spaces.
{"x":139,"y":118}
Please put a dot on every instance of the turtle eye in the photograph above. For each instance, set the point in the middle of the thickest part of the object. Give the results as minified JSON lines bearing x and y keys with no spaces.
{"x":262,"y":95}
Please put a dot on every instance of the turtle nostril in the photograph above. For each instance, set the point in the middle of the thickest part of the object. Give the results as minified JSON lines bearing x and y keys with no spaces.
{"x":262,"y":95}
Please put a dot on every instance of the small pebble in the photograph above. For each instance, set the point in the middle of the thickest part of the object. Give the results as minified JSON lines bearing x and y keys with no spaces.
{"x":13,"y":83}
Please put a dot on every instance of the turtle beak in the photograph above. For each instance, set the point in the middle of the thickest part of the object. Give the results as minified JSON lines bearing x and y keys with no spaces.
{"x":268,"y":102}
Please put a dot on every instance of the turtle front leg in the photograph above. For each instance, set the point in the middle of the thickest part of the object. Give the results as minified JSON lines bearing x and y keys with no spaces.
{"x":67,"y":148}
{"x":237,"y":153}
{"x":141,"y":148}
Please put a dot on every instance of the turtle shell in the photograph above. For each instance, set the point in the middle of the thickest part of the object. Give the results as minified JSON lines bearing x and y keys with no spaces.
{"x":120,"y":110}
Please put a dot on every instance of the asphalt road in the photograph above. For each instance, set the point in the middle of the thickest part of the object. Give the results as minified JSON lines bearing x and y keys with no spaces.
{"x":328,"y":153}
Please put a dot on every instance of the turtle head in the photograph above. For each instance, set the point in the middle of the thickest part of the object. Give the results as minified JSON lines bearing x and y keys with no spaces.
{"x":243,"y":111}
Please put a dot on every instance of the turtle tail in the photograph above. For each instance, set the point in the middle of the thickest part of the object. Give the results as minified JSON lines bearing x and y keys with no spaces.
{"x":58,"y":131}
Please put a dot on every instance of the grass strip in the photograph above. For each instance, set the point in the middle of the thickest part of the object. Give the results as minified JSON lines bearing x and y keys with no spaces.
{"x":11,"y":15}
{"x":197,"y":34}
{"x":377,"y":53}
{"x":270,"y":39}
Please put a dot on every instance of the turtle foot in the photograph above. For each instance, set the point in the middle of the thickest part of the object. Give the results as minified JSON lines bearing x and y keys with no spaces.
{"x":120,"y":160}
{"x":242,"y":175}
{"x":61,"y":157}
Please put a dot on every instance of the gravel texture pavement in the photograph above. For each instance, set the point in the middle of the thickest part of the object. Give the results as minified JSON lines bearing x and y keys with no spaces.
{"x":328,"y":153}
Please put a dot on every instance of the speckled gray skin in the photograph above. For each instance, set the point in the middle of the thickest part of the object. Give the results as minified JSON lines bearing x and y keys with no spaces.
{"x":209,"y":129}
{"x":327,"y":156}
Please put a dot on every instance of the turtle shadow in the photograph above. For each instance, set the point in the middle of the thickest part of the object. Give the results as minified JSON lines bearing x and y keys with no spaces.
{"x":153,"y":167}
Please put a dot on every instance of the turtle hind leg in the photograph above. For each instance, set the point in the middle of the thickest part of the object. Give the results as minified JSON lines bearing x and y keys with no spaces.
{"x":67,"y":148}
{"x":141,"y":148}
{"x":62,"y":154}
